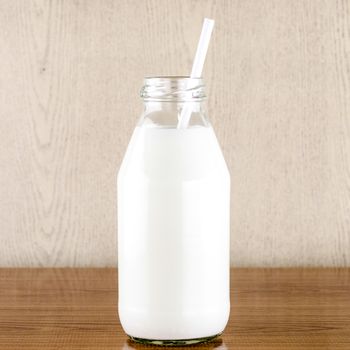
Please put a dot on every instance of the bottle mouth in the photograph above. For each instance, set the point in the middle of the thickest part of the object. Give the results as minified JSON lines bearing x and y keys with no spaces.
{"x":173,"y":89}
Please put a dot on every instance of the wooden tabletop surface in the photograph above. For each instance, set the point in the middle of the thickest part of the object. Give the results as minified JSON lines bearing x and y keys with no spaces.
{"x":271,"y":309}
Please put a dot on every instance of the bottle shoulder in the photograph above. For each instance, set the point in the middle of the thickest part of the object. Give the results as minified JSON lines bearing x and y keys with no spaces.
{"x":169,"y":153}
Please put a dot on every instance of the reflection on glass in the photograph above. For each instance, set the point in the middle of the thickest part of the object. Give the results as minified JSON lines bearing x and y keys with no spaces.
{"x":216,"y":344}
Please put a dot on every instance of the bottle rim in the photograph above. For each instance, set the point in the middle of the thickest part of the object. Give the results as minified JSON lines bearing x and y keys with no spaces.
{"x":173,"y":89}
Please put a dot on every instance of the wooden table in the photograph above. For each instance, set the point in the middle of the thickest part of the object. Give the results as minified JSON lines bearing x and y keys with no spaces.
{"x":271,"y":309}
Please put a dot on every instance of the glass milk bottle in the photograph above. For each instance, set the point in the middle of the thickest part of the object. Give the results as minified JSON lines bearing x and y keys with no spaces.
{"x":173,"y":220}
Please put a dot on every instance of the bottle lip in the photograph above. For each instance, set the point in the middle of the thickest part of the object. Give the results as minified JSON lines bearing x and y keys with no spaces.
{"x":173,"y":89}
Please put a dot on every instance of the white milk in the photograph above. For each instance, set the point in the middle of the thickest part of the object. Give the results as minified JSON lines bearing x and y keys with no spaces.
{"x":173,"y":234}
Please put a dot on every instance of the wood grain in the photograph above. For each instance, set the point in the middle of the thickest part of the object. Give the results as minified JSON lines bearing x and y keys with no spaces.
{"x":278,"y":77}
{"x":270,"y":309}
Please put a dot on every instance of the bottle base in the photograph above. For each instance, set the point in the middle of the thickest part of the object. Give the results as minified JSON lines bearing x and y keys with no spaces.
{"x":174,"y":342}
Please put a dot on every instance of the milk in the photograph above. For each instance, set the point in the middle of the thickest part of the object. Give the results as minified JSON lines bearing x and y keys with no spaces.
{"x":173,"y":234}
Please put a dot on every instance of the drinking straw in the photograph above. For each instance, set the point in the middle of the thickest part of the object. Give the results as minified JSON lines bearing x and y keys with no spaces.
{"x":197,"y":67}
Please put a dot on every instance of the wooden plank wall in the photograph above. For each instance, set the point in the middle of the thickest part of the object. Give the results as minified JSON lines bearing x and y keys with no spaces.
{"x":278,"y":80}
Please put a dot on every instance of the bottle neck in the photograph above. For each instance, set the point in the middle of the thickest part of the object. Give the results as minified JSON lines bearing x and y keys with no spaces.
{"x":165,"y":99}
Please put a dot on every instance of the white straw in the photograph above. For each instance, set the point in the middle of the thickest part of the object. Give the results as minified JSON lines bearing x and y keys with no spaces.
{"x":197,"y":66}
{"x":202,"y":48}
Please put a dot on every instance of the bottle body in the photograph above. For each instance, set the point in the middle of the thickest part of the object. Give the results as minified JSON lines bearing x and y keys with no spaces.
{"x":173,"y":234}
